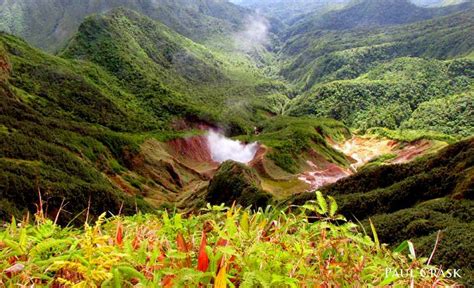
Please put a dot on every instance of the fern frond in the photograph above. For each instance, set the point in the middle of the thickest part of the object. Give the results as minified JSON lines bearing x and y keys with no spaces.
{"x":323,"y":205}
{"x":332,"y":206}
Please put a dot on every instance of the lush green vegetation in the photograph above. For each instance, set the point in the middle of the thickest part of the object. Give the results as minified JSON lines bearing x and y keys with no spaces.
{"x":290,"y":12}
{"x":171,"y":75}
{"x":73,"y":129}
{"x":372,"y":13}
{"x":85,"y":130}
{"x":54,"y":137}
{"x":49,"y":24}
{"x":314,"y":56}
{"x":410,"y":136}
{"x":291,"y":139}
{"x":388,"y":94}
{"x":415,"y":200}
{"x":235,"y":182}
{"x":451,"y":115}
{"x":223,"y":247}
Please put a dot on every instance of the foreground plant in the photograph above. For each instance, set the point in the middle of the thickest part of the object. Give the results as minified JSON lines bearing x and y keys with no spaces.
{"x":221,"y":247}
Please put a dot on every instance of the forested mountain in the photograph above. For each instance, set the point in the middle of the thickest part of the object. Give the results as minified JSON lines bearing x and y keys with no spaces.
{"x":129,"y":106}
{"x":370,"y":14}
{"x":316,"y":56}
{"x":350,"y":13}
{"x":50,"y":23}
{"x":51,"y":140}
{"x":317,"y":60}
{"x":389,"y":93}
{"x":122,"y":77}
{"x":450,"y":115}
{"x":290,"y":11}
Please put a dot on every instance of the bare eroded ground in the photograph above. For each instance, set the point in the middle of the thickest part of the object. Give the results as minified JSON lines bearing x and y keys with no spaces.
{"x":361,"y":150}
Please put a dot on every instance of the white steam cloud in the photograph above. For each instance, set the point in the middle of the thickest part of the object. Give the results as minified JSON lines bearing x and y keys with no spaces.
{"x":254,"y":35}
{"x":223,"y":149}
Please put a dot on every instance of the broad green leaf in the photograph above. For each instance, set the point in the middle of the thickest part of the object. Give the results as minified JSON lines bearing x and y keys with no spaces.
{"x":323,"y":205}
{"x":333,"y":206}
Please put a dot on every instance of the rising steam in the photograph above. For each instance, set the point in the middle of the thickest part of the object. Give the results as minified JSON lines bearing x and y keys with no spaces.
{"x":254,"y":35}
{"x":223,"y":149}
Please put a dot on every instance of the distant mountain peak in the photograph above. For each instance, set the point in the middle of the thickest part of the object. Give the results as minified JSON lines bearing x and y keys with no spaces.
{"x":49,"y":23}
{"x":373,"y":13}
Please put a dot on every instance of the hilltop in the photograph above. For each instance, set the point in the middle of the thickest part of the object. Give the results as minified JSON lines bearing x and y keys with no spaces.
{"x":373,"y":13}
{"x":49,"y":24}
{"x":308,"y":61}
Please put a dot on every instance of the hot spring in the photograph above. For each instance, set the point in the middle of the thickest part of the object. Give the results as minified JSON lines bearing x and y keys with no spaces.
{"x":223,"y":149}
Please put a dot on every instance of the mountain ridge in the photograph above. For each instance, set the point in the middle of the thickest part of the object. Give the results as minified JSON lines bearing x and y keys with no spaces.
{"x":50,"y":23}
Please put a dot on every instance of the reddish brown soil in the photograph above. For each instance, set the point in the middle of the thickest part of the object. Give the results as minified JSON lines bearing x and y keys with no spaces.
{"x":411,"y":151}
{"x":360,"y":151}
{"x":195,"y":148}
{"x":257,"y":161}
{"x":184,"y":166}
{"x":123,"y":185}
{"x":325,"y":173}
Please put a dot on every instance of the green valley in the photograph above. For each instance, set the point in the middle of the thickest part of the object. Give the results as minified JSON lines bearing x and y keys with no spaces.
{"x":181,"y":143}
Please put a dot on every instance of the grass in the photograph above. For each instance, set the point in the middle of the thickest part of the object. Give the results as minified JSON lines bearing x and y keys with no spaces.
{"x":219,"y":247}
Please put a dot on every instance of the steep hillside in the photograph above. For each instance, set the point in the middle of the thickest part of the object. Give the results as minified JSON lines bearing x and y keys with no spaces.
{"x":389,"y":93}
{"x":57,"y":139}
{"x":450,"y":115}
{"x":49,"y":24}
{"x":75,"y":130}
{"x":317,"y":56}
{"x":414,"y":201}
{"x":147,"y":57}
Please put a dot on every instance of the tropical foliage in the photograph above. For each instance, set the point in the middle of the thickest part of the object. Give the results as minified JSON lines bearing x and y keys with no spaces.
{"x":414,"y":201}
{"x":91,"y":129}
{"x":223,"y":247}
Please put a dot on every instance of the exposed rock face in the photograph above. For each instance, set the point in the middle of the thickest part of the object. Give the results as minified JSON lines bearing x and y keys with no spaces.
{"x":236,"y":182}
